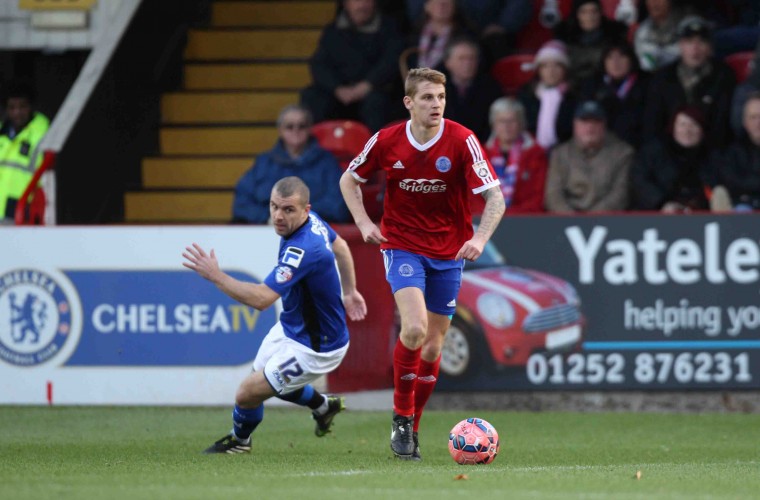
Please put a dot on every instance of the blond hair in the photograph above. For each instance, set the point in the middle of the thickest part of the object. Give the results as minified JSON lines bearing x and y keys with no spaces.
{"x":419,"y":75}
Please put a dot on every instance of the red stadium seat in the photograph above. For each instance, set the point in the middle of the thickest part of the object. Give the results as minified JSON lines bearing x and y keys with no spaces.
{"x":343,"y":138}
{"x":609,"y":7}
{"x":741,"y":63}
{"x":534,"y":35}
{"x":512,"y":72}
{"x":346,"y":139}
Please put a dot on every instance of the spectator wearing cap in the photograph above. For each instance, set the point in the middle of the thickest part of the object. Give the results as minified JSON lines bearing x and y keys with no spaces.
{"x":548,"y":100}
{"x":738,"y":169}
{"x":696,"y":78}
{"x":469,"y":91}
{"x":590,"y":172}
{"x":586,"y":32}
{"x":621,"y":88}
{"x":672,"y":174}
{"x":656,"y":38}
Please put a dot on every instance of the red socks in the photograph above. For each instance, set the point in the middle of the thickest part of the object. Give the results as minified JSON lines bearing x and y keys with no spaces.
{"x":405,"y":366}
{"x":427,"y":375}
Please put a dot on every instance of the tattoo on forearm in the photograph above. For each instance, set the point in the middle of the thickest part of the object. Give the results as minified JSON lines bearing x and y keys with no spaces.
{"x":492,"y":213}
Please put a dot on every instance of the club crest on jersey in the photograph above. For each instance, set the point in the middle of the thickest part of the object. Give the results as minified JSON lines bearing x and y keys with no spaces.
{"x":361,"y":158}
{"x":481,"y":168}
{"x":443,"y":164}
{"x":405,"y":270}
{"x":283,"y":274}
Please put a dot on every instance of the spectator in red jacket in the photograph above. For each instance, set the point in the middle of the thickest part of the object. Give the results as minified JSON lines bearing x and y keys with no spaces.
{"x":519,"y":161}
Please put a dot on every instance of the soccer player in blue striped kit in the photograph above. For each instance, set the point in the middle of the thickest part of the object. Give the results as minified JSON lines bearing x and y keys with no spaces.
{"x":311,"y":337}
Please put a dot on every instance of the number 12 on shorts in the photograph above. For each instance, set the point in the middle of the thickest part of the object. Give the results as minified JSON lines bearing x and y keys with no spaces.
{"x":290,"y":369}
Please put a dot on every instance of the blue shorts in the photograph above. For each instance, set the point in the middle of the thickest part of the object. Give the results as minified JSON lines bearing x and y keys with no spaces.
{"x":439,"y":280}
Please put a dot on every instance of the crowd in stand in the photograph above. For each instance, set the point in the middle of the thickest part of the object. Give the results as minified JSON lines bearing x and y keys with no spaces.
{"x":635,"y":113}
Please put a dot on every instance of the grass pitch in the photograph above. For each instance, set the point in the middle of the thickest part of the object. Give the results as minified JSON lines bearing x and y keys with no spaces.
{"x":138,"y":453}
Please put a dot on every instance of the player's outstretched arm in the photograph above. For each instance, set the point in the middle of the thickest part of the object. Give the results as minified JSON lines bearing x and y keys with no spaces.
{"x":352,"y":194}
{"x":258,"y":296}
{"x":492,"y":215}
{"x":356,"y":307}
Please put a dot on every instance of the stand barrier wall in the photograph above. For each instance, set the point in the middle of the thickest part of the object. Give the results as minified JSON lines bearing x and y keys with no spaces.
{"x":107,"y":315}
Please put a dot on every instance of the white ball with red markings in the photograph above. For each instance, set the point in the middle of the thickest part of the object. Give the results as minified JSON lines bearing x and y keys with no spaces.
{"x":473,"y":441}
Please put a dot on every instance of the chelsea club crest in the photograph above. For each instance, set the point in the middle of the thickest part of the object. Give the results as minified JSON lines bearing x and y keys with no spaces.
{"x":35,"y":318}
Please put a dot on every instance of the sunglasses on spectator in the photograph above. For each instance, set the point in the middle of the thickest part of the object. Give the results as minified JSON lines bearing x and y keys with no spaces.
{"x":295,"y":126}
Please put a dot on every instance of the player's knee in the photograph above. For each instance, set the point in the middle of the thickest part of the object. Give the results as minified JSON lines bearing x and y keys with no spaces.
{"x":414,"y":333}
{"x":244,"y":398}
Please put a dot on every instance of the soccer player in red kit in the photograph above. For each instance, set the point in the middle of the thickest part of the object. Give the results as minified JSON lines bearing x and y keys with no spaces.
{"x":432,"y":166}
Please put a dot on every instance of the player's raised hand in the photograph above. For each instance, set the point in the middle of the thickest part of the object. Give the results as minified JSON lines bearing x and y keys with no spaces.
{"x":371,"y":233}
{"x":199,"y":261}
{"x":356,"y":307}
{"x":471,"y":250}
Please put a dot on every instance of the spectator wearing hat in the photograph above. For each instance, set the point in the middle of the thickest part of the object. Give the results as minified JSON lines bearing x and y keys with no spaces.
{"x":548,"y":100}
{"x":586,"y":32}
{"x":696,"y":78}
{"x":738,"y":169}
{"x":621,"y":88}
{"x":656,"y":38}
{"x":589,"y":173}
{"x":673,"y":174}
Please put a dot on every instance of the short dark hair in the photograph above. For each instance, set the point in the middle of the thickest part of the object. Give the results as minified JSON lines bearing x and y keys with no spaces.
{"x":752,"y":96}
{"x":19,"y":89}
{"x":460,"y":40}
{"x":288,"y":186}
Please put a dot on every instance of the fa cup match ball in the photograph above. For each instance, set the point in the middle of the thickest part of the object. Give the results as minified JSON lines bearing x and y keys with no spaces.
{"x":473,"y":441}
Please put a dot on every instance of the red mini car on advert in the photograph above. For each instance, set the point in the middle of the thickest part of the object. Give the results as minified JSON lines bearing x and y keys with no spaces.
{"x":506,"y":313}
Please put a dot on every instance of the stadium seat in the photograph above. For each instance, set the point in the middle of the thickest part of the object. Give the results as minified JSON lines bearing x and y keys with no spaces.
{"x":512,"y":72}
{"x":534,"y":35}
{"x":343,"y":138}
{"x":741,"y":63}
{"x":346,"y":139}
{"x":609,"y":7}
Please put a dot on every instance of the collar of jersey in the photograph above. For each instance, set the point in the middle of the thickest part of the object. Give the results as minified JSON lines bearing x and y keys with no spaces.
{"x":429,"y":144}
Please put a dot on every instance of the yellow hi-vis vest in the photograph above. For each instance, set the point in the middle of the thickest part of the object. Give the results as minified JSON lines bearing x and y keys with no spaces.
{"x":16,"y":169}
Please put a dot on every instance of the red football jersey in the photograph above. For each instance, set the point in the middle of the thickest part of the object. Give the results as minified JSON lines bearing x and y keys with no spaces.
{"x":427,"y":207}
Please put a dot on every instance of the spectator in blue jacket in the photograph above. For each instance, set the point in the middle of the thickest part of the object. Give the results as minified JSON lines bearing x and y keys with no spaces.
{"x":295,"y":153}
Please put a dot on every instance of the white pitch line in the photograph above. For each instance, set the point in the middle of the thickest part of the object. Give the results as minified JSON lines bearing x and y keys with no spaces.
{"x":329,"y":473}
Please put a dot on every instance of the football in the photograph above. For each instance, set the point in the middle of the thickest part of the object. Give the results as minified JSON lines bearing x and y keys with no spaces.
{"x":473,"y":441}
